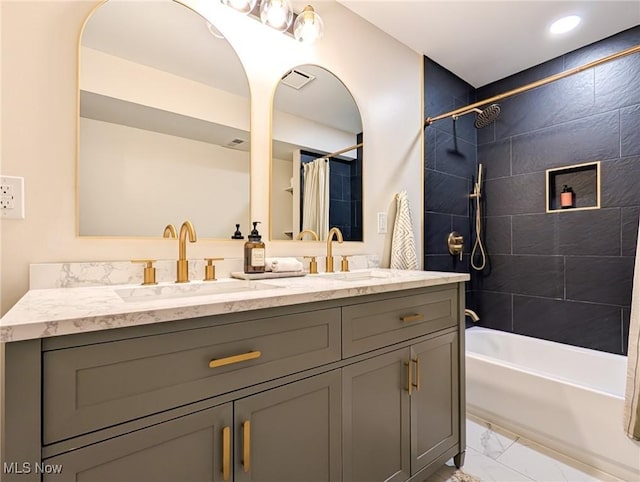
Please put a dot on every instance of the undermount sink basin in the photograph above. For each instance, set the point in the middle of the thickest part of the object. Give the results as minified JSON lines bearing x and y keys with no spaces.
{"x":187,"y":290}
{"x":357,"y":275}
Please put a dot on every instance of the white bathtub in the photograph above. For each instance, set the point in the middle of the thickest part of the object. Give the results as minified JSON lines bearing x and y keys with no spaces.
{"x":567,"y":398}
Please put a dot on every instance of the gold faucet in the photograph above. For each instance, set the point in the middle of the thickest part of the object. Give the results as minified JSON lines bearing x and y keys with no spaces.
{"x":183,"y":264}
{"x":170,"y":231}
{"x":472,"y":314}
{"x":307,"y":231}
{"x":329,"y":262}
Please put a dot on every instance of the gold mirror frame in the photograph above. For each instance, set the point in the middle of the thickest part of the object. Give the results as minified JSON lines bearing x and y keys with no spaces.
{"x":200,"y":140}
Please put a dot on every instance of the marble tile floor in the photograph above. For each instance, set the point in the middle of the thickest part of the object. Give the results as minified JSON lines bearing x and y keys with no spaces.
{"x":496,"y":455}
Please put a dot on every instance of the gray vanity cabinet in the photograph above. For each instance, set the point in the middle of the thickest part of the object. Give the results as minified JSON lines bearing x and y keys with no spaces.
{"x":92,"y":386}
{"x":361,"y":389}
{"x":377,"y":419}
{"x":401,"y":410}
{"x":286,"y":434}
{"x":292,"y":433}
{"x":188,"y":448}
{"x":435,"y":407}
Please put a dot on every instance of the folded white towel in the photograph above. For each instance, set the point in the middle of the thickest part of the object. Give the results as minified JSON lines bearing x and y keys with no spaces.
{"x":268,"y":264}
{"x":280,"y":265}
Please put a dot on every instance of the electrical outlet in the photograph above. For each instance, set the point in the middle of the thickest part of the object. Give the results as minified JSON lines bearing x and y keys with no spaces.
{"x":6,"y":190}
{"x":11,"y":197}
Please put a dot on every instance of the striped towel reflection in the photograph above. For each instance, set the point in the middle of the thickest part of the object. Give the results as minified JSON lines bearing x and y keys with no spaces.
{"x":403,"y":246}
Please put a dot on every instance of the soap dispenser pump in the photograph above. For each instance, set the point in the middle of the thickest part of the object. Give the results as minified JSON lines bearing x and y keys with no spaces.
{"x":254,"y":252}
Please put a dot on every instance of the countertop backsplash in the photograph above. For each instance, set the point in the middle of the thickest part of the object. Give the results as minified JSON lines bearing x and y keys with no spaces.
{"x":102,"y":273}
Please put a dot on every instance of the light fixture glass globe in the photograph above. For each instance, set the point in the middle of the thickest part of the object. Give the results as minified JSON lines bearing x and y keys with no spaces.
{"x":308,"y":26}
{"x":242,"y":6}
{"x":276,"y":14}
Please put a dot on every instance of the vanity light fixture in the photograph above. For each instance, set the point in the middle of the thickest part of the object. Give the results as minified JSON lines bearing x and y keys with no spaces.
{"x":277,"y":14}
{"x":306,"y":27}
{"x":564,"y":24}
{"x":242,"y":6}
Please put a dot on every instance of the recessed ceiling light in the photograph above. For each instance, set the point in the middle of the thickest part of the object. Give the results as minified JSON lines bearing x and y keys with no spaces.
{"x":565,"y":24}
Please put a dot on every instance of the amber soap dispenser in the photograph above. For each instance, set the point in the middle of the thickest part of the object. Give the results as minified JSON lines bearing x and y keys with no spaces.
{"x":254,"y":252}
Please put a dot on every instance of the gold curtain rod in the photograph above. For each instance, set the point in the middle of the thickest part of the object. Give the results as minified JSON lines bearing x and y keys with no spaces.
{"x":538,"y":83}
{"x":341,"y":151}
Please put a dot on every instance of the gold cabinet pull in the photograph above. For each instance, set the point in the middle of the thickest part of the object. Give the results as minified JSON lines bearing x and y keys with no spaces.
{"x":234,"y":359}
{"x":417,"y":373}
{"x":246,"y":445}
{"x":226,"y":453}
{"x":409,"y":377}
{"x":410,"y":318}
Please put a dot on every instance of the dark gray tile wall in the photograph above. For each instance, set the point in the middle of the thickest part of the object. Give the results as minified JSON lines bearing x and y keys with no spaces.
{"x":564,"y":276}
{"x":450,"y":157}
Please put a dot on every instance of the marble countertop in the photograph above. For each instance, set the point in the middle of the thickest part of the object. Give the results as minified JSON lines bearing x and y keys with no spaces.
{"x":44,"y":313}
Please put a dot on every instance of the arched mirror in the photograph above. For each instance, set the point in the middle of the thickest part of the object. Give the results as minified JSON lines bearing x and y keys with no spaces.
{"x":163,"y":126}
{"x":316,"y":161}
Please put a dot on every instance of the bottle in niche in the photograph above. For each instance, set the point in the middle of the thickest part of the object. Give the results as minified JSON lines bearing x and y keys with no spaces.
{"x":566,"y":197}
{"x":254,"y":252}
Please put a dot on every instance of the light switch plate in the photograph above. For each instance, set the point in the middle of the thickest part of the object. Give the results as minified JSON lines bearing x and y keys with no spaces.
{"x":12,"y":197}
{"x":382,"y":223}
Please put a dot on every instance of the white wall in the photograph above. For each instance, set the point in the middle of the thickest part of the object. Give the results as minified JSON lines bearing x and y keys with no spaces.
{"x":139,"y":180}
{"x":122,"y":79}
{"x":39,"y":123}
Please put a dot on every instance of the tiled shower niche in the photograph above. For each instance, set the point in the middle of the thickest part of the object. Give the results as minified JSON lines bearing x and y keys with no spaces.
{"x":584,"y":181}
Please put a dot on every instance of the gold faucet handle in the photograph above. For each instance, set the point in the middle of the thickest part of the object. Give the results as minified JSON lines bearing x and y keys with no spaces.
{"x":313,"y":265}
{"x":210,"y":269}
{"x":344,"y":264}
{"x":149,"y":271}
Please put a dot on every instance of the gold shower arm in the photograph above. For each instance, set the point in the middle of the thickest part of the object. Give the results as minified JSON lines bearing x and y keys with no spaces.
{"x":341,"y":151}
{"x":538,"y":83}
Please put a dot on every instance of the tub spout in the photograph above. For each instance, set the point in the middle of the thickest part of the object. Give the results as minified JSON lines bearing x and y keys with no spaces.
{"x":472,"y":314}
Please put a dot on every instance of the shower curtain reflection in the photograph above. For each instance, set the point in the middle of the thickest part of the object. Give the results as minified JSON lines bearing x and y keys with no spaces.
{"x":315,"y":200}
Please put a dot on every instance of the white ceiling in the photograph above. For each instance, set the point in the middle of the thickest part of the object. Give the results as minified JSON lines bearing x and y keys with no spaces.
{"x":484,"y":41}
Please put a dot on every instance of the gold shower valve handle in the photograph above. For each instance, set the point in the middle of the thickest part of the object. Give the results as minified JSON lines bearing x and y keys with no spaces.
{"x":313,"y":265}
{"x":149,"y":271}
{"x":210,"y":269}
{"x":455,"y":243}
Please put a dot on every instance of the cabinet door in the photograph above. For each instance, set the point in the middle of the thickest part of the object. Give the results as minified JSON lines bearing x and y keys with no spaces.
{"x":376,"y":419}
{"x":291,"y":433}
{"x":435,"y":402}
{"x":188,"y":449}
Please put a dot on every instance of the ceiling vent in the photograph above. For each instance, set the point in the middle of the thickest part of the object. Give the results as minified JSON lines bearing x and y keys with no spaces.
{"x":237,"y":142}
{"x":297,"y":79}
